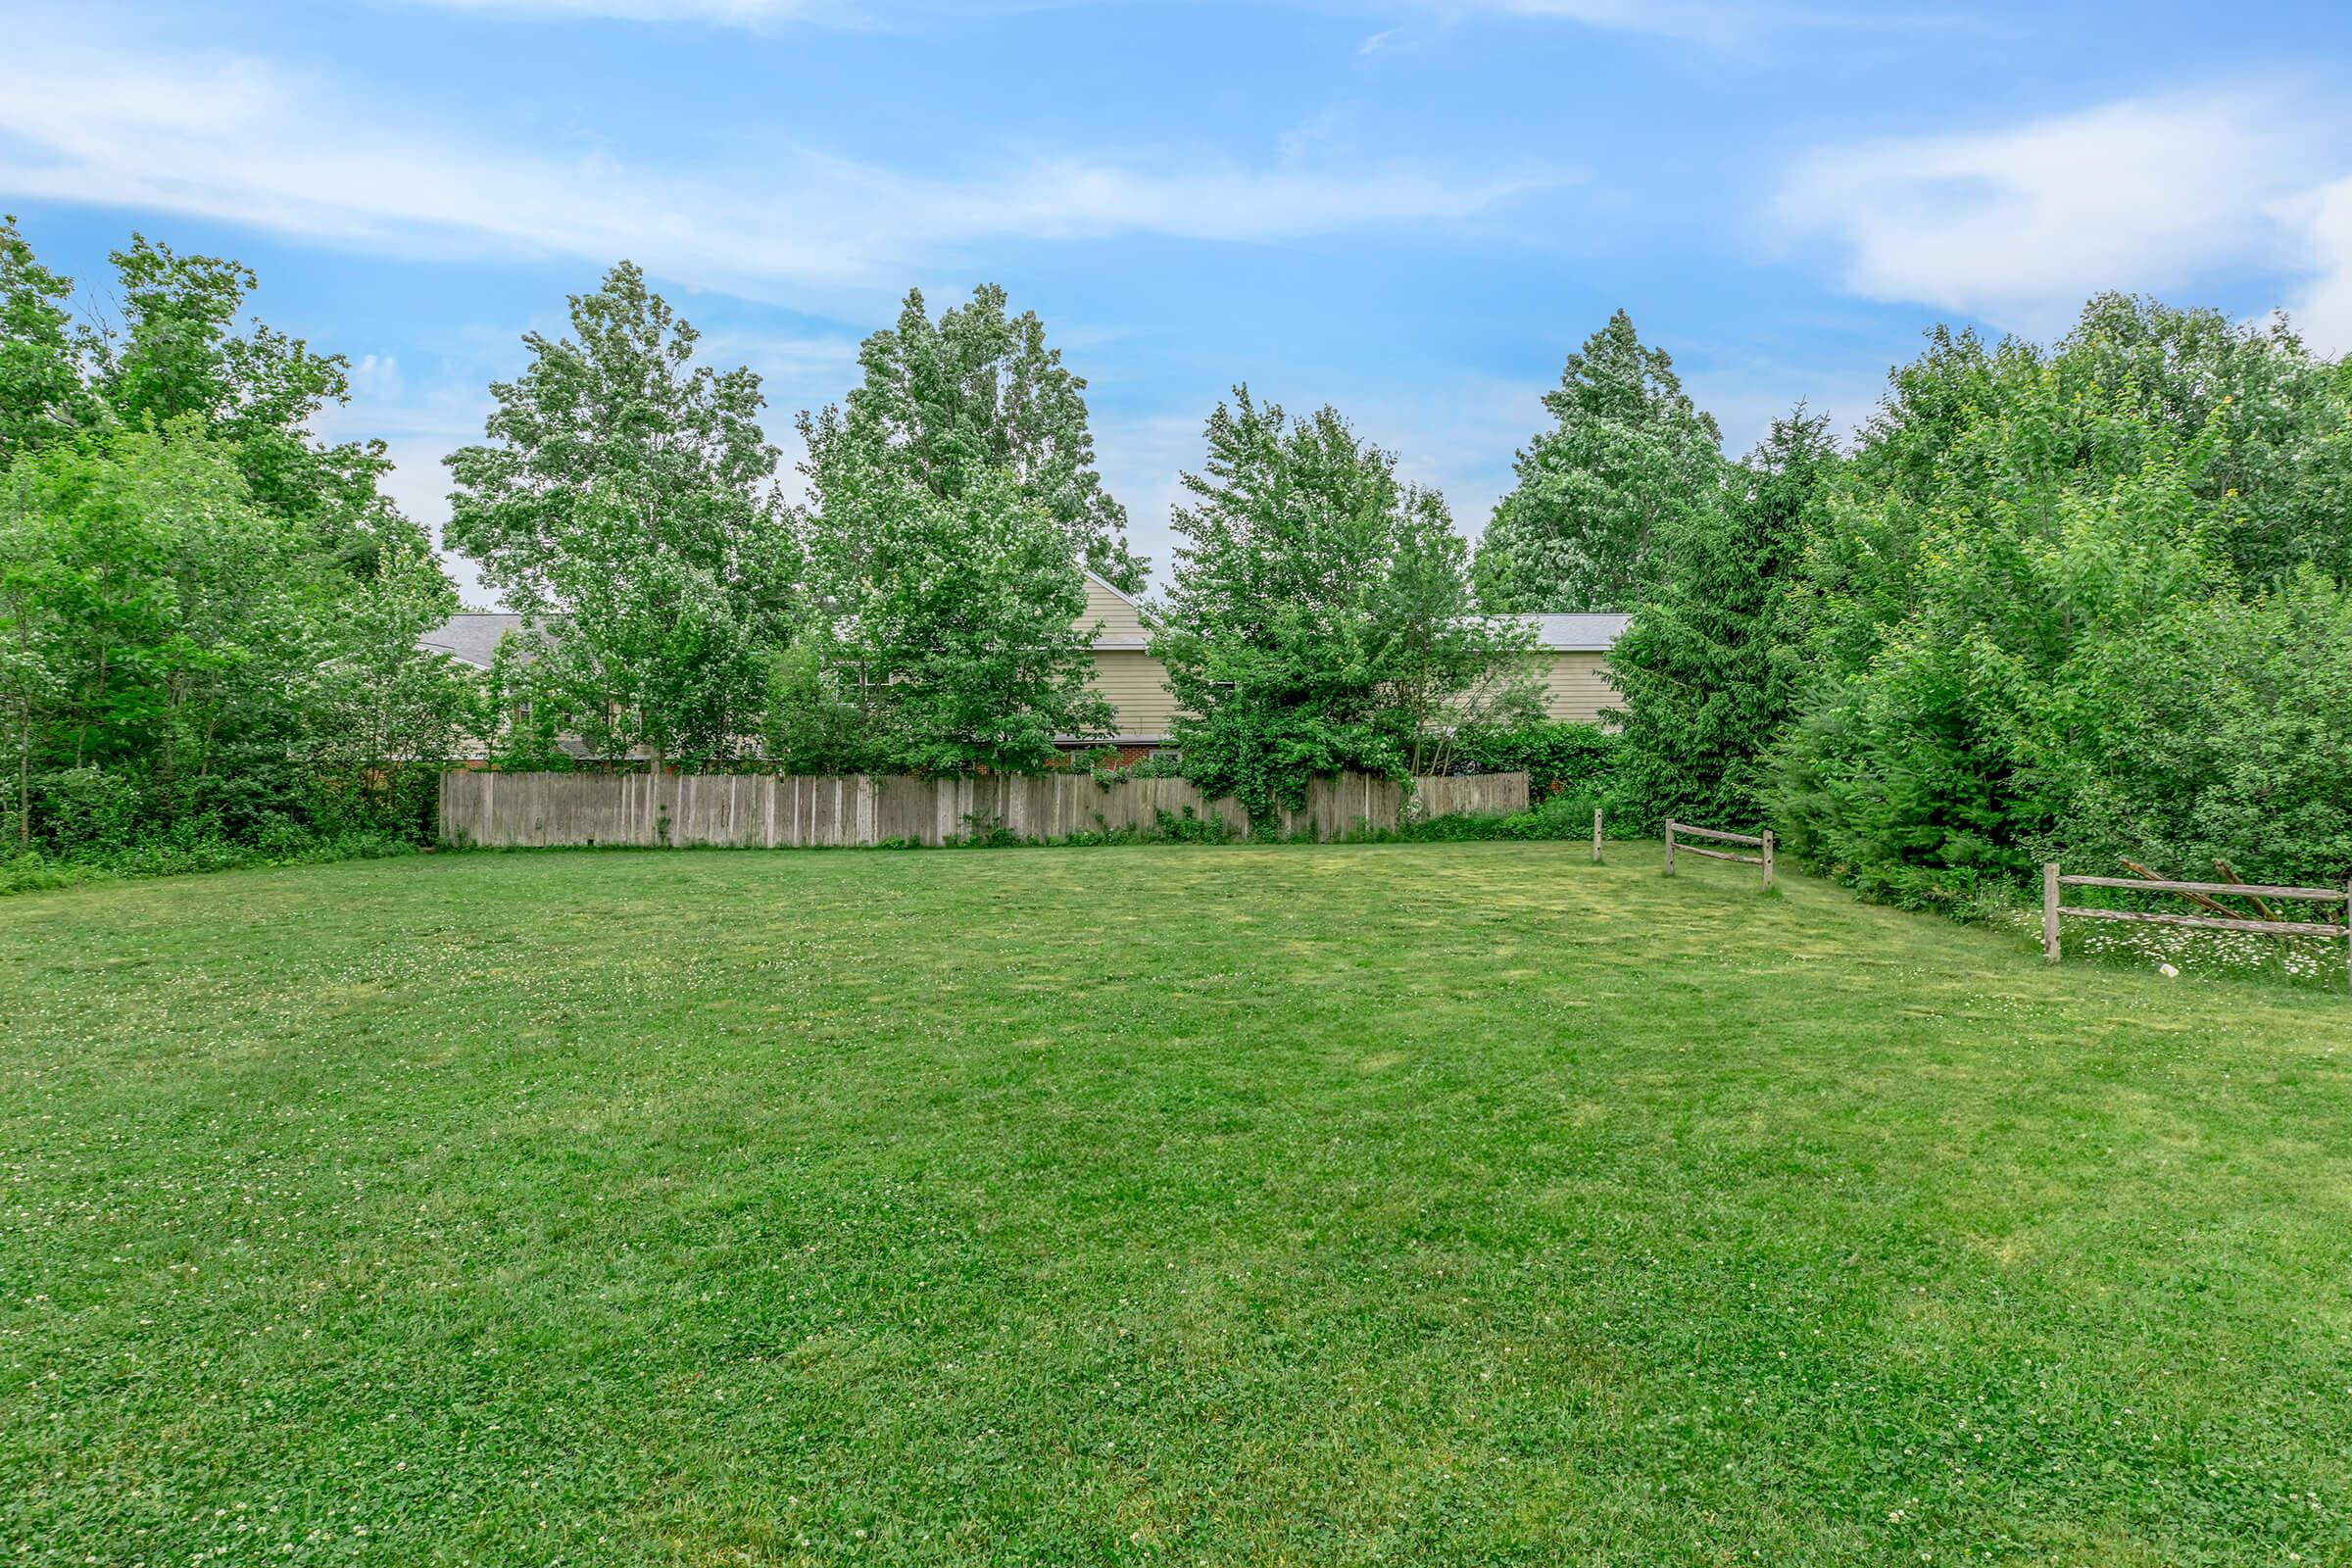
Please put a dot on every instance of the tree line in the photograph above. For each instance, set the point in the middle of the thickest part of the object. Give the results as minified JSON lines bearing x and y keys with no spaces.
{"x":2085,"y":601}
{"x":2089,"y":595}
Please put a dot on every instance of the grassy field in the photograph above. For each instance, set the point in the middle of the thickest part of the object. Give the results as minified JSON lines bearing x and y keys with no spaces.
{"x":1448,"y":1203}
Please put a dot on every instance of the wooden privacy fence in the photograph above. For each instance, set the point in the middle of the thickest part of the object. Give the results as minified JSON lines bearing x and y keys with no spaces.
{"x":754,"y":810}
{"x":2203,"y":894}
{"x":1762,"y":842}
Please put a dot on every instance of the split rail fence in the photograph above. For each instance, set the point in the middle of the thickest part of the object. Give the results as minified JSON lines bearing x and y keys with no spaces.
{"x":1761,"y":842}
{"x":2203,"y":894}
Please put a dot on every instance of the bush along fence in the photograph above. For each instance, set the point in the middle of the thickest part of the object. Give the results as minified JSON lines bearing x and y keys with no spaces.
{"x":2203,"y":895}
{"x":751,"y":811}
{"x":1762,"y":843}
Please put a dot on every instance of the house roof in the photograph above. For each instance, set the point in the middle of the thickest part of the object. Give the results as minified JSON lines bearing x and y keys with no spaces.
{"x":1589,"y":633}
{"x":471,"y":636}
{"x":1585,"y":633}
{"x":1110,"y":587}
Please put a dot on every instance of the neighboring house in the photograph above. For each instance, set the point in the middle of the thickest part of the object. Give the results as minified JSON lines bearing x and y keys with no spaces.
{"x":470,"y":636}
{"x":1135,"y":684}
{"x":1571,"y":654}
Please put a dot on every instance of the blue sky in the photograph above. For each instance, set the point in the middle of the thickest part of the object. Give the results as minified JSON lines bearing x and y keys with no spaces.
{"x":1410,"y":209}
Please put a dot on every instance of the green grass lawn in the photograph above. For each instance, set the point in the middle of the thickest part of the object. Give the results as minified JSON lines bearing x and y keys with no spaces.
{"x":1460,"y":1203}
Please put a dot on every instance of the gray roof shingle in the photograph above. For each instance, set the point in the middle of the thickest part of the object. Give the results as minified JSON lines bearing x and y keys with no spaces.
{"x":471,"y":636}
{"x":1589,"y":633}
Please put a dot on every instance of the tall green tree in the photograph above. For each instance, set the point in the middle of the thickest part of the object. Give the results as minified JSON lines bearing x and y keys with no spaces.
{"x":31,"y":686}
{"x":622,"y":503}
{"x":946,"y":632}
{"x":181,"y":349}
{"x":2282,"y":415}
{"x":1319,"y":619}
{"x":2025,"y":631}
{"x":176,"y":610}
{"x":42,"y":393}
{"x":189,"y":580}
{"x":1628,"y":454}
{"x":1707,"y":687}
{"x":948,"y":404}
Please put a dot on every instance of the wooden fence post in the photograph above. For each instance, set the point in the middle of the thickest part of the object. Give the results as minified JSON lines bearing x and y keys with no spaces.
{"x":2049,"y":912}
{"x":1597,"y":835}
{"x":1670,"y":846}
{"x":2348,"y":927}
{"x":1768,"y":859}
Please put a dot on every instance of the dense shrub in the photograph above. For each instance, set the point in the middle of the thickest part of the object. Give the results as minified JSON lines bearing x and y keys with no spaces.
{"x":1564,"y":816}
{"x":181,"y":853}
{"x":2041,"y":617}
{"x":1704,"y":694}
{"x":1556,"y":756}
{"x":84,"y":811}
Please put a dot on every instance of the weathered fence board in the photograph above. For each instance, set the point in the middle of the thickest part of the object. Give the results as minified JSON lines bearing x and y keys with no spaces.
{"x":2052,"y":911}
{"x":2255,"y":889}
{"x":753,"y":810}
{"x":1680,"y":830}
{"x":2267,"y":928}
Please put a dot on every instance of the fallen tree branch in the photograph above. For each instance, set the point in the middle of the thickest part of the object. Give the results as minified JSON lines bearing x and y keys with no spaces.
{"x":2197,"y":898}
{"x":2227,"y":871}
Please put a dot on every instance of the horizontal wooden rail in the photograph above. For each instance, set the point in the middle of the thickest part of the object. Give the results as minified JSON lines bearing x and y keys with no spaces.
{"x":2256,"y":890}
{"x":1714,"y":833}
{"x":2271,"y":928}
{"x":1762,"y":841}
{"x":2052,"y":911}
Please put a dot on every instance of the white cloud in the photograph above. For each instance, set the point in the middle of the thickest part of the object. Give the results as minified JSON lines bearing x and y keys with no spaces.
{"x":2021,"y":225}
{"x":719,"y":13}
{"x":2323,"y":311}
{"x":1697,"y":22}
{"x":243,"y":140}
{"x":1715,"y":23}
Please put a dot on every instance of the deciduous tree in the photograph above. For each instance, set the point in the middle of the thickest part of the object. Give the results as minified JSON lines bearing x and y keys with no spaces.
{"x":953,"y":624}
{"x":623,"y":504}
{"x":1320,"y":618}
{"x":947,"y":404}
{"x":1628,"y":456}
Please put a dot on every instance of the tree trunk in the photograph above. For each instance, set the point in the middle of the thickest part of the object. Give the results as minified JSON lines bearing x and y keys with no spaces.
{"x":24,"y":736}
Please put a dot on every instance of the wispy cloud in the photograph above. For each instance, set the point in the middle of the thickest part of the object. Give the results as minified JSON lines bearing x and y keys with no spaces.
{"x":1720,"y":25}
{"x":1694,"y":20}
{"x":2019,"y":226}
{"x":253,"y":142}
{"x":715,"y":13}
{"x":1714,"y":23}
{"x":2322,"y":307}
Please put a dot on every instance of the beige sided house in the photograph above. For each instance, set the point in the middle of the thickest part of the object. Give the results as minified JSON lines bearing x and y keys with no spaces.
{"x":1130,"y":679}
{"x":1571,"y":651}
